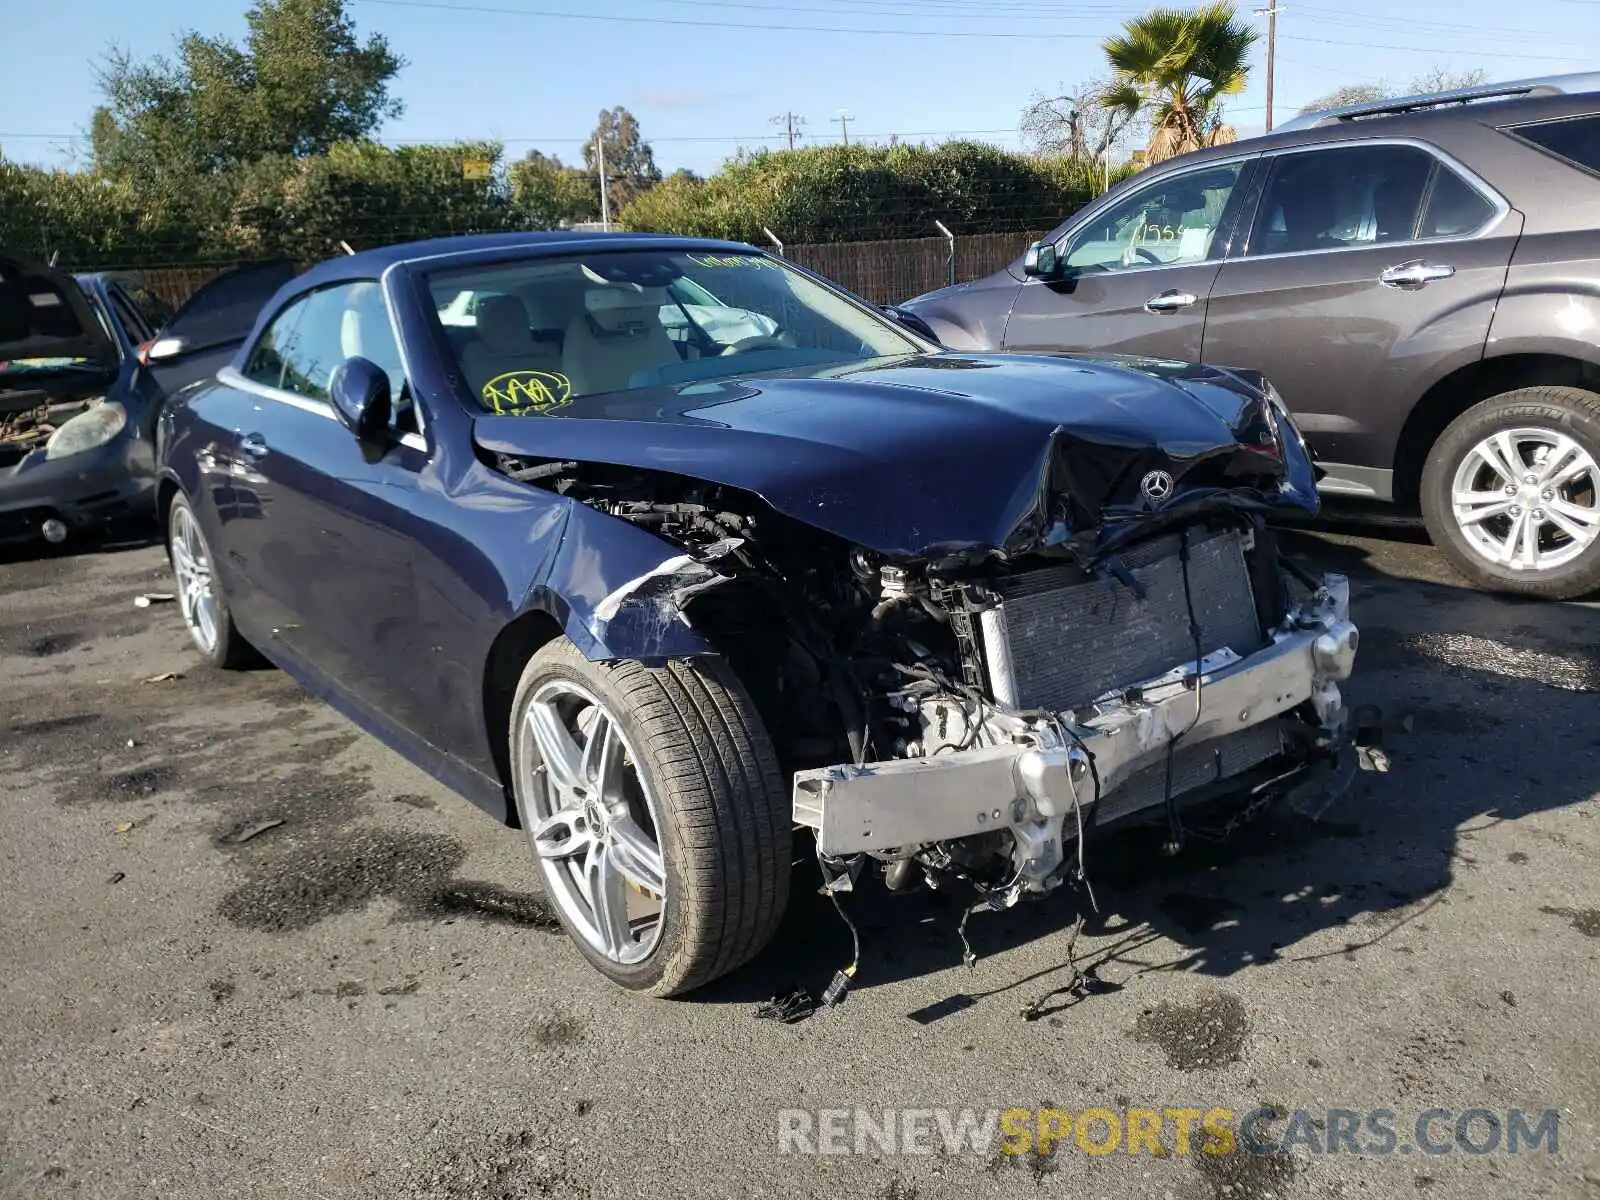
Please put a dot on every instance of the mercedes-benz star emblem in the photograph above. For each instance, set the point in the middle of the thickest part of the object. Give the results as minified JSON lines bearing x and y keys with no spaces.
{"x":1156,"y":486}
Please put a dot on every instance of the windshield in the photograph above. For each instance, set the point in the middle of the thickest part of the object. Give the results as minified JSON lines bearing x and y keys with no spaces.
{"x":533,"y":335}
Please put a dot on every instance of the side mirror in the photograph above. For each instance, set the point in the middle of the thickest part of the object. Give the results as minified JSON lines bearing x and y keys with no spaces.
{"x":911,"y":321}
{"x":162,"y":349}
{"x":1040,"y":260}
{"x":359,"y":390}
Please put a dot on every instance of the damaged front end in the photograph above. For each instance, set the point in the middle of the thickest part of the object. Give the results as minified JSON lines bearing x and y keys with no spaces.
{"x":964,"y":671}
{"x":1085,"y":698}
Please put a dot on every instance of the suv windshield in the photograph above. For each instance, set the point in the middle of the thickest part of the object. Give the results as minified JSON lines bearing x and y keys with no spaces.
{"x":530,"y":336}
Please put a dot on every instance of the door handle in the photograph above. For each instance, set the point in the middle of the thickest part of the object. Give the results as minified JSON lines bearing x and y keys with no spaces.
{"x":253,"y":445}
{"x":1415,"y":274}
{"x":1168,"y":302}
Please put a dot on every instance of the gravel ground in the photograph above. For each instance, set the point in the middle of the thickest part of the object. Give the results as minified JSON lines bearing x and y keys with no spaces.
{"x":246,"y":951}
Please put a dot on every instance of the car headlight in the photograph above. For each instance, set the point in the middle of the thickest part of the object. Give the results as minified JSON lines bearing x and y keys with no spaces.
{"x":94,"y":427}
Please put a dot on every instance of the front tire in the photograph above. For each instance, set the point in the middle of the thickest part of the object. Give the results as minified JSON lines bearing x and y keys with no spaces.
{"x":1511,"y":492}
{"x":201,"y":602}
{"x":653,"y":804}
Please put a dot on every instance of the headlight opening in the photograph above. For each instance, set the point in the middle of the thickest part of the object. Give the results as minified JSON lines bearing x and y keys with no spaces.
{"x":89,"y":429}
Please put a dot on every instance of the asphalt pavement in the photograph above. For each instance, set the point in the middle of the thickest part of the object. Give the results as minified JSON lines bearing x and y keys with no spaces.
{"x":245,"y":951}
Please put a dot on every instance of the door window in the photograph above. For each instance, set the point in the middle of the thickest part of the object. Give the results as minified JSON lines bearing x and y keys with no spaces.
{"x":128,"y":315}
{"x":1359,"y":196}
{"x":1169,"y":223}
{"x":1455,"y":208}
{"x":1576,"y":139}
{"x":299,"y":350}
{"x":226,"y":309}
{"x":265,"y":363}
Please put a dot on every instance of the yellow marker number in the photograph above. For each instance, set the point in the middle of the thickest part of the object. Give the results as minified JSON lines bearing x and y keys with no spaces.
{"x":521,"y":392}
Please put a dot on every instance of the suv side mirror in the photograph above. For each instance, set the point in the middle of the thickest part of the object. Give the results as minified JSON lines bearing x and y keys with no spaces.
{"x":911,"y":321}
{"x":1040,"y":260}
{"x":359,"y":390}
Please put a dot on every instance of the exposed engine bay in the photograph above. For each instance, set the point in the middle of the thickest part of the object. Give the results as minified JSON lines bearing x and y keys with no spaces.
{"x":972,"y":717}
{"x":28,"y":420}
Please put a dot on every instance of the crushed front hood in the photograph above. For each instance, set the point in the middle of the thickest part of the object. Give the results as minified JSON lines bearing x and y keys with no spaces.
{"x":926,"y":456}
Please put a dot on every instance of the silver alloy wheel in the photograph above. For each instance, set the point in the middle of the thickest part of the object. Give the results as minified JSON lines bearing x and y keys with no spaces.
{"x":1527,"y":499}
{"x":591,"y":821}
{"x":191,"y":563}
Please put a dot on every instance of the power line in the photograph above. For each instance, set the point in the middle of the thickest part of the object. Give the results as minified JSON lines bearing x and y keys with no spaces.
{"x":962,"y":11}
{"x":791,"y":123}
{"x":1288,"y":37}
{"x":1333,"y":16}
{"x":697,"y":24}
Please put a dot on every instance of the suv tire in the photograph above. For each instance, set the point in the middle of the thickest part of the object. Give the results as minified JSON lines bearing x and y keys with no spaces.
{"x":1549,"y":438}
{"x":695,"y":804}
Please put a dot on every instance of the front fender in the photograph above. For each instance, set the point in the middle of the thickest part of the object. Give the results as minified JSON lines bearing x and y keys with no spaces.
{"x":610,"y":586}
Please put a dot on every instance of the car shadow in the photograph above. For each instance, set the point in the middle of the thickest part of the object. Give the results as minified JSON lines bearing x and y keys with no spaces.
{"x":1449,"y":674}
{"x":110,"y":539}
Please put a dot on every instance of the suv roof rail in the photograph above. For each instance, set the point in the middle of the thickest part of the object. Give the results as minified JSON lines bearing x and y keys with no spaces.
{"x":1549,"y":85}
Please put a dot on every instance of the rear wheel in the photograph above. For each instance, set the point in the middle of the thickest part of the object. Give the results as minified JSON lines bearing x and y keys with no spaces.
{"x":1511,"y":492}
{"x":200,"y":600}
{"x":653,"y":805}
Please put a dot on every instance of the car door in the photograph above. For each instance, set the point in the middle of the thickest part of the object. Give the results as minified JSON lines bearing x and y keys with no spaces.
{"x":1365,"y":263}
{"x":1135,"y":275}
{"x":205,"y":332}
{"x":328,"y":545}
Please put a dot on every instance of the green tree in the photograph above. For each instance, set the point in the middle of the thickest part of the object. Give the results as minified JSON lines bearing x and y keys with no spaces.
{"x":630,"y":163}
{"x":1176,"y":66}
{"x":299,"y":84}
{"x":545,"y":191}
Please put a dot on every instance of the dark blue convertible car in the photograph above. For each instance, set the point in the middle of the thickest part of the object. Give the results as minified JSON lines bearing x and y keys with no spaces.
{"x":667,"y":551}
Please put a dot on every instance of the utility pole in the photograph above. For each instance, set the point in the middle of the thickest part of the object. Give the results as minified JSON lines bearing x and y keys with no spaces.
{"x":605,"y":196}
{"x":844,"y":119}
{"x":791,"y":123}
{"x":1272,"y":53}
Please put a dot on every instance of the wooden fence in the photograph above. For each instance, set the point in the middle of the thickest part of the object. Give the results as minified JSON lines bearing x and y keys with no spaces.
{"x":889,"y":272}
{"x":884,"y":272}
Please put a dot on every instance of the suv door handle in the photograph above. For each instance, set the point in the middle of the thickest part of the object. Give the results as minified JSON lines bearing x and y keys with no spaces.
{"x":1415,"y":274}
{"x":253,"y":445}
{"x":1168,"y":302}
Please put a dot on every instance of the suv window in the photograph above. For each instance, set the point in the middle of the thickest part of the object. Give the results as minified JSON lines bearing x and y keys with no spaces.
{"x":1576,"y":139}
{"x":1340,"y":197}
{"x":1171,"y":222}
{"x":1455,"y":207}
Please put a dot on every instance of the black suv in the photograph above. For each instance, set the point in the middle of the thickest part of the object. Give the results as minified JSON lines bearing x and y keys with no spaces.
{"x":1419,"y":277}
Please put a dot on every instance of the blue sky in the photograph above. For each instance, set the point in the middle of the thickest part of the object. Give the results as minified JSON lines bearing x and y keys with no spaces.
{"x":706,"y":76}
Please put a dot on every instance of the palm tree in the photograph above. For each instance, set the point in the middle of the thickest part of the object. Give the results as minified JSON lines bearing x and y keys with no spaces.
{"x":1176,"y":65}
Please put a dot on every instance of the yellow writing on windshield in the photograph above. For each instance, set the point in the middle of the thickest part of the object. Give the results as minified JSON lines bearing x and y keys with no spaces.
{"x":729,"y":260}
{"x":524,"y":392}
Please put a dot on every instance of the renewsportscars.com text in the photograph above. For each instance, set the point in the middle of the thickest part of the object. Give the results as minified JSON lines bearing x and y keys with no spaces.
{"x":1372,"y":1133}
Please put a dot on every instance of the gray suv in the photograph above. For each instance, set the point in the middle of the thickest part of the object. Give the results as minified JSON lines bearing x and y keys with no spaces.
{"x":1419,"y":278}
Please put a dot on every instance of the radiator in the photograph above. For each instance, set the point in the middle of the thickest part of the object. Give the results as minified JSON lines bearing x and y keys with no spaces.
{"x":1056,"y":641}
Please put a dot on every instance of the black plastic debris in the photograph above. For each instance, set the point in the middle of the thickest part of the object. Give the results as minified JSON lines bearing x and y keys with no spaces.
{"x":240,"y":836}
{"x":791,"y":1006}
